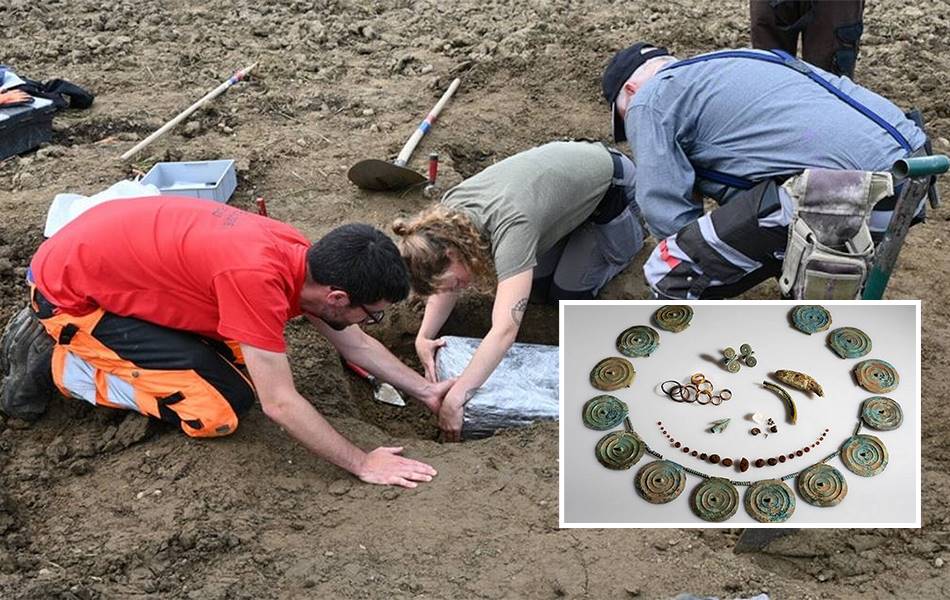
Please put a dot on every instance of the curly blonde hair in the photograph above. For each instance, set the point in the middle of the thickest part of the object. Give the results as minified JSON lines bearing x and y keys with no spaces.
{"x":424,"y":242}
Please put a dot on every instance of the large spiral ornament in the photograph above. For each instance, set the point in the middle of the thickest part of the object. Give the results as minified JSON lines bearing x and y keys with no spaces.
{"x":612,"y":374}
{"x":864,"y":455}
{"x":715,"y":500}
{"x":769,"y":501}
{"x":673,"y":318}
{"x":660,"y":481}
{"x":619,"y":450}
{"x":849,"y":342}
{"x":881,"y":413}
{"x":639,"y":340}
{"x":822,"y":485}
{"x":604,"y":412}
{"x":876,"y":376}
{"x":810,"y":318}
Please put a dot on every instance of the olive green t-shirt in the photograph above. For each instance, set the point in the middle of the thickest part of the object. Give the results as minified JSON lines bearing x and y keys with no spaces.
{"x":526,"y":203}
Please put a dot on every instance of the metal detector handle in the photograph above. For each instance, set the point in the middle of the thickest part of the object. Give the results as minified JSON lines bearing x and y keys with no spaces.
{"x":921,"y":167}
{"x":426,"y":125}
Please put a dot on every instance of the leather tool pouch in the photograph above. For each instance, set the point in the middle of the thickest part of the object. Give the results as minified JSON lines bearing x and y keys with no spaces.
{"x":829,"y":248}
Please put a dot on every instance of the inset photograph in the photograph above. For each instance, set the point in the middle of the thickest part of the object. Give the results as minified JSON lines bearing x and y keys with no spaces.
{"x":720,"y":414}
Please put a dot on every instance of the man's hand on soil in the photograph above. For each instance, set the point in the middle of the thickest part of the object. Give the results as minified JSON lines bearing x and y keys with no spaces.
{"x":426,"y":349}
{"x":384,"y":466}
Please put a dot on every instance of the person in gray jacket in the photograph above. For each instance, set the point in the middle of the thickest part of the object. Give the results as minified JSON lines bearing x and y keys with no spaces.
{"x":732,"y":126}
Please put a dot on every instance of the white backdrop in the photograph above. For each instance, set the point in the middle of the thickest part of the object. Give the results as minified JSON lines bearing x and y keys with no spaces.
{"x":593,"y":494}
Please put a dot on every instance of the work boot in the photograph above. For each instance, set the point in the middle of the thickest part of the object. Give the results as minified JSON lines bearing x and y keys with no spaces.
{"x":26,"y":353}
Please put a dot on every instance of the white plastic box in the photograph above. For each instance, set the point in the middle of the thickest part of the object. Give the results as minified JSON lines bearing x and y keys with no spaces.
{"x":208,"y":179}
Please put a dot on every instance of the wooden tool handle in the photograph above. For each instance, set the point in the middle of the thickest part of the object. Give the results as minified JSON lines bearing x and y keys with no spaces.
{"x":238,"y":76}
{"x":426,"y":124}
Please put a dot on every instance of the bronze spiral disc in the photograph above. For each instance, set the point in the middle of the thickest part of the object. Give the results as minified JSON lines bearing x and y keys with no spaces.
{"x":673,"y":318}
{"x":769,"y":501}
{"x":660,"y":481}
{"x":876,"y":376}
{"x":619,"y":450}
{"x":604,"y":412}
{"x":810,"y":318}
{"x":849,"y":342}
{"x":612,"y":373}
{"x":639,"y":340}
{"x":881,"y":413}
{"x":821,"y":485}
{"x":715,"y":500}
{"x":864,"y":455}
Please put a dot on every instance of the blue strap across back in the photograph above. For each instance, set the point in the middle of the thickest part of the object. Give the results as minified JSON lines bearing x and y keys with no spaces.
{"x":780,"y":57}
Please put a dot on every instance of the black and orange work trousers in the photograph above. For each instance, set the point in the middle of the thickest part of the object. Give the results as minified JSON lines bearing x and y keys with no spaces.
{"x":179,"y":377}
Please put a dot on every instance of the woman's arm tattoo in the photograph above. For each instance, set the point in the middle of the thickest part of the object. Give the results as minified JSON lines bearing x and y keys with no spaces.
{"x":517,"y":311}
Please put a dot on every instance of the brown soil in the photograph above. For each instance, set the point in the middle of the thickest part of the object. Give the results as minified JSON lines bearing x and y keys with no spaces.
{"x":97,"y":504}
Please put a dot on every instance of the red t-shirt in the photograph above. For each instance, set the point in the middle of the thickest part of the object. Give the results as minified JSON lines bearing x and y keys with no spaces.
{"x":187,"y":264}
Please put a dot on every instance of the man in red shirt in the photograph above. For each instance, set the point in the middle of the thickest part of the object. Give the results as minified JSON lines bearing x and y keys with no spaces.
{"x":158,"y":305}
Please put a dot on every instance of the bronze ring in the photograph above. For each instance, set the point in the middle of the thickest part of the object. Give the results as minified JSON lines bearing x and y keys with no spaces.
{"x":705,"y":386}
{"x":716,"y":400}
{"x":691,"y":392}
{"x":679,"y":394}
{"x":697,"y":378}
{"x":703,"y":394}
{"x":670,"y":391}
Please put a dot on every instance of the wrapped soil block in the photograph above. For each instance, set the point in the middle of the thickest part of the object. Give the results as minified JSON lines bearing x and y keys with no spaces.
{"x":522,"y":390}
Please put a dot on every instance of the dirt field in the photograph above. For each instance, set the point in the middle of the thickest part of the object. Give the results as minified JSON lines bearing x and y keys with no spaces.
{"x":98,"y":504}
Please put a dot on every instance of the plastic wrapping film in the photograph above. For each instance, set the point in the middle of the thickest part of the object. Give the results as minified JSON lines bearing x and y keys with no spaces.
{"x":522,"y":390}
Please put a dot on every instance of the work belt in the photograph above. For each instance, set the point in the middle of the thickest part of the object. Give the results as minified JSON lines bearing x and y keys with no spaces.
{"x":616,"y":198}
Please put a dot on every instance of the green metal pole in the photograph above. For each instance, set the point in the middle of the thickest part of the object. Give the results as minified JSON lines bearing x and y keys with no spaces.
{"x":885,"y":257}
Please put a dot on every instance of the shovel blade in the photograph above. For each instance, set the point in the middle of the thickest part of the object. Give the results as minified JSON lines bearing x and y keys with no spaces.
{"x":379,"y":175}
{"x":756,"y":540}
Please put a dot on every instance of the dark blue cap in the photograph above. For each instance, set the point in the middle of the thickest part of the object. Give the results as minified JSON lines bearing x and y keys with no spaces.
{"x":619,"y":70}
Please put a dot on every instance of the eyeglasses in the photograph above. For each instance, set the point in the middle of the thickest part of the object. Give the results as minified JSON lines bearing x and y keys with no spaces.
{"x":373,"y":317}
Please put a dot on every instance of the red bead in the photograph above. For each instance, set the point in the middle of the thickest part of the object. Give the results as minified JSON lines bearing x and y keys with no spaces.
{"x":759,"y":462}
{"x":807,"y":449}
{"x":798,"y":453}
{"x":677,"y":444}
{"x":693,"y":453}
{"x":702,"y":456}
{"x":714,"y":458}
{"x":744,"y":464}
{"x":772,"y":462}
{"x":781,"y":458}
{"x":727,"y":462}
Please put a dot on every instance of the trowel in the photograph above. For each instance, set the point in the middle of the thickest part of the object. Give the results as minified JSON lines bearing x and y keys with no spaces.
{"x":382,"y":392}
{"x":379,"y":175}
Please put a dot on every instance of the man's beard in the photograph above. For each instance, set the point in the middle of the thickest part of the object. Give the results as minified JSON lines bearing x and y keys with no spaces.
{"x":335,"y":325}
